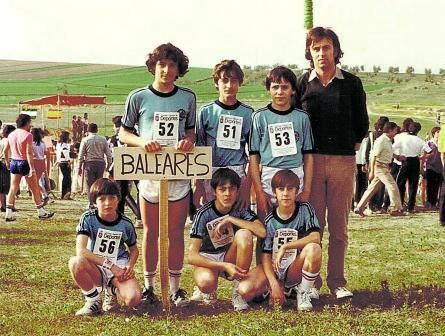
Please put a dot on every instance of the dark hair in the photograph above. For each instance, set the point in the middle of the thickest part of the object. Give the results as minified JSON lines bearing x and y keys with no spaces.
{"x":92,"y":128}
{"x":64,"y":137}
{"x":285,"y":178}
{"x":389,"y":126}
{"x":317,"y":34}
{"x":7,"y":130}
{"x":434,"y":130}
{"x":168,"y":51}
{"x":22,"y":120}
{"x":230,"y":68}
{"x":37,"y":135}
{"x":406,"y":123}
{"x":414,"y":128}
{"x":279,"y":73}
{"x":117,"y":121}
{"x":104,"y":186}
{"x":225,"y":175}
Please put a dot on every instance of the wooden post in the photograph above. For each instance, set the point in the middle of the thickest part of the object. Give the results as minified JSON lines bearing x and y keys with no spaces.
{"x":163,"y":243}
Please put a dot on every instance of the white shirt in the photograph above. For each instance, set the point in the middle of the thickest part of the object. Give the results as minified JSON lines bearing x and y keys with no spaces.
{"x":408,"y":145}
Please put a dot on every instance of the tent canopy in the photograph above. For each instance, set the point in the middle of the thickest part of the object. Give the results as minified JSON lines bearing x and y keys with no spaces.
{"x":66,"y":100}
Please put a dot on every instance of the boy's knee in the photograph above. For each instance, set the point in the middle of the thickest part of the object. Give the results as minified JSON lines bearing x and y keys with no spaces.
{"x":243,"y":238}
{"x":313,"y":251}
{"x":76,"y":262}
{"x":206,"y":283}
{"x":133,"y":298}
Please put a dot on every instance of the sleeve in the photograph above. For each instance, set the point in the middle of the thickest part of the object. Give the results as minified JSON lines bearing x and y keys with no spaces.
{"x":248,"y":215}
{"x":254,"y":138}
{"x":131,"y":115}
{"x":83,"y":227}
{"x":311,"y":219}
{"x":308,"y":139}
{"x":198,"y":226}
{"x":200,"y":129}
{"x":191,"y":116}
{"x":108,"y":153}
{"x":426,"y":147}
{"x":131,"y":234}
{"x":360,"y":119}
{"x":268,"y":241}
{"x":29,"y":139}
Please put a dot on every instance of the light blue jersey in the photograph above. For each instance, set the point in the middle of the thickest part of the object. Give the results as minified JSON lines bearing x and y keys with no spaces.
{"x":107,"y":239}
{"x":143,"y":104}
{"x":226,"y":129}
{"x":272,"y":139}
{"x":303,"y":221}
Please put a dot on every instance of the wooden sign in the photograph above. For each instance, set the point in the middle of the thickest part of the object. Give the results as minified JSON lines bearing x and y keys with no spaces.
{"x":133,"y":163}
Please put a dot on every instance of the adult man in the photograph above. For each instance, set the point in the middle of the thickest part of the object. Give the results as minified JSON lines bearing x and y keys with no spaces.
{"x":93,"y":150}
{"x":336,"y":102}
{"x":379,"y":172}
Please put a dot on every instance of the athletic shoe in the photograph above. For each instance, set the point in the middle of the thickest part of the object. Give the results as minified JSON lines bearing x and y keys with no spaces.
{"x":203,"y":297}
{"x":46,"y":215}
{"x":148,"y":295}
{"x":139,"y":224}
{"x":109,"y":300}
{"x":180,"y":298}
{"x":359,"y":212}
{"x":314,"y":293}
{"x":10,"y":219}
{"x":90,"y":308}
{"x":396,"y":213}
{"x":303,"y":301}
{"x":261,"y":298}
{"x":238,"y":302}
{"x":291,"y":293}
{"x":342,"y":292}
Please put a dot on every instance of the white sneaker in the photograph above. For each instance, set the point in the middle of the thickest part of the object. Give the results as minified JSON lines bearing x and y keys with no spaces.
{"x":203,"y":297}
{"x":303,"y":301}
{"x":139,"y":224}
{"x":90,"y":308}
{"x":238,"y":302}
{"x":109,"y":300}
{"x":314,"y":293}
{"x":342,"y":292}
{"x":180,"y":298}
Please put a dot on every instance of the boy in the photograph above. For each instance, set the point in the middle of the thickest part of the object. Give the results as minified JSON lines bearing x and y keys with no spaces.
{"x":222,"y":240}
{"x":106,"y":252}
{"x":165,"y":115}
{"x":291,"y":250}
{"x":225,"y":125}
{"x":280,"y":138}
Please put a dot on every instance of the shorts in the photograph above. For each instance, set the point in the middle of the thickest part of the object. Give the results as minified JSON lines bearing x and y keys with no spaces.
{"x":218,"y":257}
{"x":282,"y":274}
{"x":107,"y":275}
{"x":19,"y":167}
{"x":240,"y":170}
{"x":266,"y":178}
{"x":177,"y":190}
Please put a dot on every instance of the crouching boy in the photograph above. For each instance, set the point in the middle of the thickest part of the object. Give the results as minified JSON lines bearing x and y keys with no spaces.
{"x":291,"y":251}
{"x":106,"y":253}
{"x":222,"y":240}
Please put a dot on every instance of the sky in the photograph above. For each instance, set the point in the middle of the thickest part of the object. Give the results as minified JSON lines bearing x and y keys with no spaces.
{"x":372,"y":32}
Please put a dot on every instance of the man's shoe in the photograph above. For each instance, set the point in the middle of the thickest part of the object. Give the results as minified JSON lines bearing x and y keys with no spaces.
{"x":203,"y":297}
{"x":238,"y":302}
{"x":303,"y":301}
{"x":261,"y":298}
{"x":314,"y":293}
{"x":109,"y":300}
{"x":149,"y":296}
{"x":10,"y":219}
{"x":359,"y":212}
{"x":342,"y":293}
{"x":397,"y":213}
{"x":180,"y":298}
{"x":90,"y":308}
{"x":46,"y":215}
{"x":291,"y":293}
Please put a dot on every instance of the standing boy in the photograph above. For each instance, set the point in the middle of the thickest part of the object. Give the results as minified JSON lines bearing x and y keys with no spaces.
{"x":291,"y":250}
{"x":222,"y":239}
{"x":224,"y":125}
{"x":106,"y":252}
{"x":165,"y":115}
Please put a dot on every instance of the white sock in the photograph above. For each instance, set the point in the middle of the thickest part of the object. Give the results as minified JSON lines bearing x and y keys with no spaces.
{"x":91,"y":295}
{"x":9,"y":212}
{"x":307,"y":280}
{"x":174,"y":277}
{"x":149,"y":279}
{"x":41,"y":211}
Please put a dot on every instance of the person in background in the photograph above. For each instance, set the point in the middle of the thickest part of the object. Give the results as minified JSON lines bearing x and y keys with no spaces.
{"x":63,"y":154}
{"x":40,"y":152}
{"x":433,"y":171}
{"x":5,"y":174}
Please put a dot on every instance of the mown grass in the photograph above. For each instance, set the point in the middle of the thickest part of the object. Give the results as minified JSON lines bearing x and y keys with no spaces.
{"x":395,"y":266}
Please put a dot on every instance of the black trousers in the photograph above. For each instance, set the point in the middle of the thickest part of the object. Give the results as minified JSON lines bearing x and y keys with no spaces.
{"x":409,"y":171}
{"x":66,"y":180}
{"x":433,"y":181}
{"x":442,"y":200}
{"x":361,"y":183}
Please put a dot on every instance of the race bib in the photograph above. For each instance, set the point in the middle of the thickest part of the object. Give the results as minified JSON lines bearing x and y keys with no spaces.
{"x":226,"y":236}
{"x":283,"y":236}
{"x":282,"y":139}
{"x":229,"y":132}
{"x":166,"y":128}
{"x":107,"y":244}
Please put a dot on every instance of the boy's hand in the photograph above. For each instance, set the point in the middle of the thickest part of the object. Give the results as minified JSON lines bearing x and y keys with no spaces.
{"x":151,"y":146}
{"x":128,"y":273}
{"x":277,"y":297}
{"x":234,"y":272}
{"x":279,"y":256}
{"x":185,"y":145}
{"x":117,"y":272}
{"x":221,"y":227}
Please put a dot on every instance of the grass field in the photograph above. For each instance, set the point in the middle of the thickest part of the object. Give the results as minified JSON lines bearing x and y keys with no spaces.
{"x":395,"y":267}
